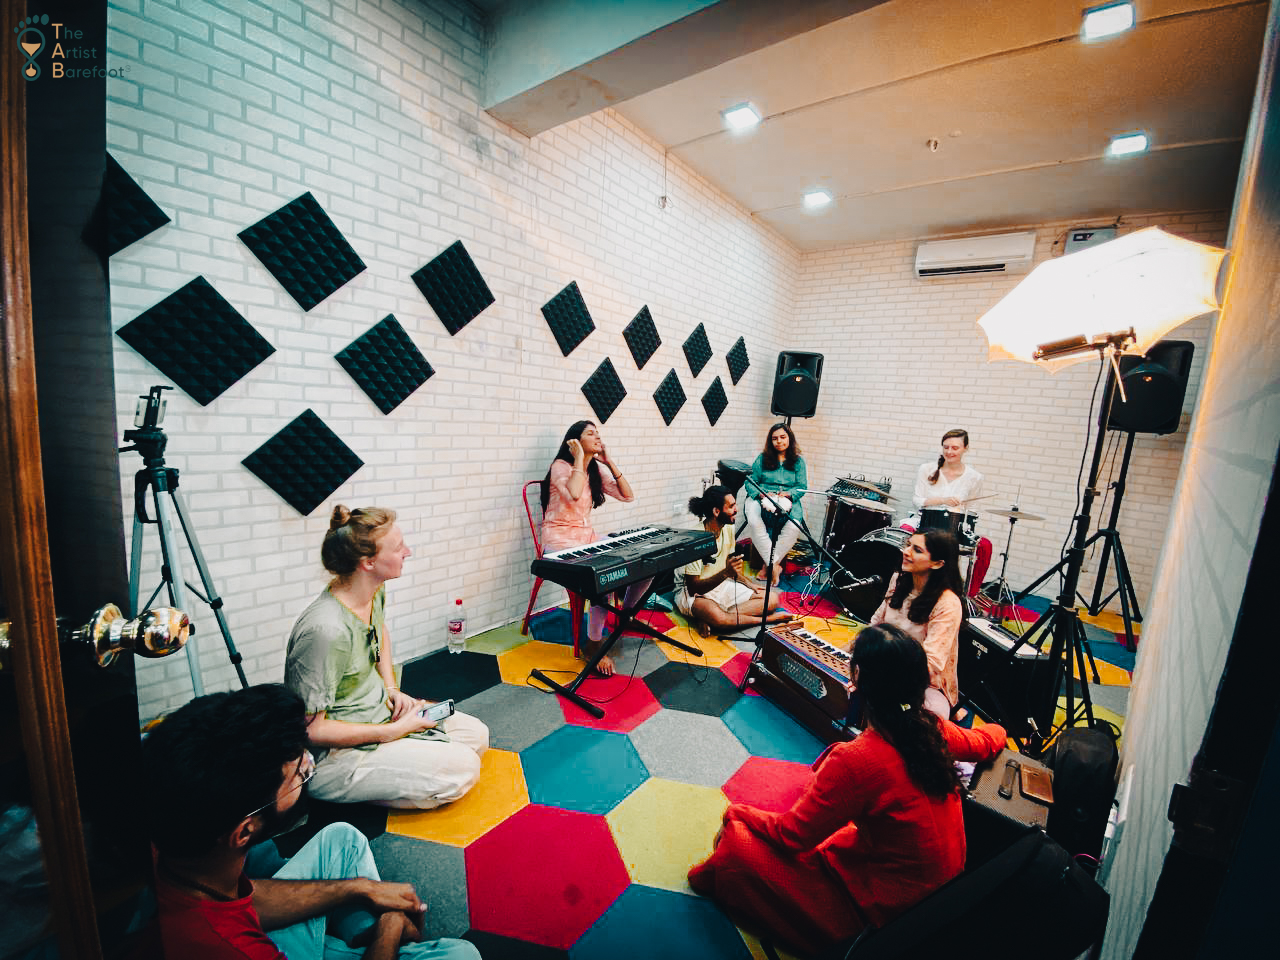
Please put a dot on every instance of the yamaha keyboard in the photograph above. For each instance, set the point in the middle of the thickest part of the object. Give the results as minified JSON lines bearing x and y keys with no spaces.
{"x":621,"y":559}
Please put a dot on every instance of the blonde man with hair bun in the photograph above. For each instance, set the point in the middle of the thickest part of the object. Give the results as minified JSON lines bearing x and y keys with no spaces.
{"x":370,"y":742}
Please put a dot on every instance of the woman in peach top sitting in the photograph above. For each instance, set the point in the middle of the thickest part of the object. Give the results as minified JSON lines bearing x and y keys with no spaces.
{"x":573,"y":487}
{"x":923,"y":601}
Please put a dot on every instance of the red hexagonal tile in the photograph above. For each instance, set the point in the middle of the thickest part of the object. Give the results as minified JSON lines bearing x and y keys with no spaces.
{"x":544,"y":875}
{"x":736,"y":669}
{"x":768,"y":784}
{"x":626,"y":701}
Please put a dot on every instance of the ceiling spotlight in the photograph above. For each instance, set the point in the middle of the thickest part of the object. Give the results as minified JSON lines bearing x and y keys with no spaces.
{"x":816,"y":198}
{"x":741,"y":117}
{"x":1106,"y":20}
{"x":1127,"y":143}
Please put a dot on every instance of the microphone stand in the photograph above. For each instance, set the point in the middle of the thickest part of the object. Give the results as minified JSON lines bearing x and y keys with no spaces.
{"x":774,"y":527}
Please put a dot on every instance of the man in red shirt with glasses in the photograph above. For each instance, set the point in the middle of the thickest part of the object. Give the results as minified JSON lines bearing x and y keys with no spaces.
{"x":226,"y":771}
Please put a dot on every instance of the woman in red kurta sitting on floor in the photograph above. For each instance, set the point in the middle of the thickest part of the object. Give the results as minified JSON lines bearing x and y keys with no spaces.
{"x":878,"y":827}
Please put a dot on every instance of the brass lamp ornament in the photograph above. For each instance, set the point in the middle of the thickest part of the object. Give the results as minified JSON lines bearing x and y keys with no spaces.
{"x":155,"y":633}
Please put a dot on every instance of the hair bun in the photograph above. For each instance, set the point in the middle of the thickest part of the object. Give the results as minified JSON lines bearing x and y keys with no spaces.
{"x":339,"y":517}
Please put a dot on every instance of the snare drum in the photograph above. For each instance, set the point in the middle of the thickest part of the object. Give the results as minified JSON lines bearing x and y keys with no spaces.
{"x":878,"y":554}
{"x":942,"y":518}
{"x":958,"y":523}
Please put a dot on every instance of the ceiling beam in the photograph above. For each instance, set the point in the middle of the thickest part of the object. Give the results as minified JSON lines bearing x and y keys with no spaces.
{"x":550,"y":61}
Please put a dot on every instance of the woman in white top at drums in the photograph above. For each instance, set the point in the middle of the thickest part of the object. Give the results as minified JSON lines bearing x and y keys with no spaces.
{"x":923,"y":601}
{"x":950,"y":483}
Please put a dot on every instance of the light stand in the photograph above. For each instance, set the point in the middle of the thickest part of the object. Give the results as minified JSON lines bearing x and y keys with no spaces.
{"x":149,"y":440}
{"x":1110,"y":537}
{"x":1062,"y":620}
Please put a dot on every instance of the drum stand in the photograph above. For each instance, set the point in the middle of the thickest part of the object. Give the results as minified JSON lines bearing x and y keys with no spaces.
{"x":1000,"y":594}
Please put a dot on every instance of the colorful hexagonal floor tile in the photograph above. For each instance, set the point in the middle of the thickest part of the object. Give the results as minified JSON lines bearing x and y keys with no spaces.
{"x":581,"y":831}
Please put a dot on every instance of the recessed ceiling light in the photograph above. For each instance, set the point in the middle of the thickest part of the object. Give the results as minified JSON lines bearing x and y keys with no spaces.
{"x":1106,"y":20}
{"x":741,"y":117}
{"x":1127,"y":143}
{"x":817,"y":198}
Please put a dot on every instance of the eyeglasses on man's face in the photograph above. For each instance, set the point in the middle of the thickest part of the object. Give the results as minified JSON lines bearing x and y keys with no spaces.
{"x":301,"y":776}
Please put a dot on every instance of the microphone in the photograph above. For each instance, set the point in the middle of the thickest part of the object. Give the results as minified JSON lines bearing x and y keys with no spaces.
{"x":864,"y":581}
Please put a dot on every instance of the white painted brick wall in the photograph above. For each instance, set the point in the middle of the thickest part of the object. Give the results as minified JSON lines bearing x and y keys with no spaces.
{"x":233,"y":109}
{"x":905,"y":361}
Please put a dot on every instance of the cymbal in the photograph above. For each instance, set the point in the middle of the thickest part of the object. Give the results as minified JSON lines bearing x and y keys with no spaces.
{"x":1014,"y":514}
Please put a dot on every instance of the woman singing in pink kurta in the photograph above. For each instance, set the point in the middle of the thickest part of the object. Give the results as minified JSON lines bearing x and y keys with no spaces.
{"x":572,"y":488}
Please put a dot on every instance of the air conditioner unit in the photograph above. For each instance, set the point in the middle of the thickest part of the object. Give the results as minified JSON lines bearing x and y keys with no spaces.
{"x":1000,"y":253}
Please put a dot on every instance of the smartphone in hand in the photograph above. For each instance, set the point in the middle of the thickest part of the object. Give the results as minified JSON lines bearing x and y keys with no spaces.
{"x":435,"y":712}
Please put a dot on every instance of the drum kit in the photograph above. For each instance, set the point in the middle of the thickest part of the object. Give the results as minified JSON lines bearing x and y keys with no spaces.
{"x":859,"y":534}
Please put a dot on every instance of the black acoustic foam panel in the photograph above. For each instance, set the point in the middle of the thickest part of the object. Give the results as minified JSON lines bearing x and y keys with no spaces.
{"x":568,"y":318}
{"x":738,"y":361}
{"x":714,"y":401}
{"x":642,"y":337}
{"x":197,"y":340}
{"x":669,"y":396}
{"x":697,"y":349}
{"x":454,"y":287}
{"x":385,"y":364}
{"x":304,"y":463}
{"x":131,"y":214}
{"x":304,"y":251}
{"x":604,"y":391}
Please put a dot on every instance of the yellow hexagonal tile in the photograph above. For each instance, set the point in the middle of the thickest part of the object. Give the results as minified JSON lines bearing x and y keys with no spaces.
{"x":500,"y":792}
{"x":514,"y":665}
{"x":1108,"y":673}
{"x":657,"y":846}
{"x":757,"y":950}
{"x":715,"y":652}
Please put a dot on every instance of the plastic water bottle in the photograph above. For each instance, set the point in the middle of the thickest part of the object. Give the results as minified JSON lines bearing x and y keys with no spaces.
{"x":458,"y":627}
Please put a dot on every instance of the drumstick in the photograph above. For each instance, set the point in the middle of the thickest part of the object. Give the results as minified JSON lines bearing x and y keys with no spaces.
{"x":976,"y":499}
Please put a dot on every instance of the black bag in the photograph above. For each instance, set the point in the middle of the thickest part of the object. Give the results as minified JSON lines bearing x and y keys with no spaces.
{"x":1013,"y":892}
{"x":1084,"y":762}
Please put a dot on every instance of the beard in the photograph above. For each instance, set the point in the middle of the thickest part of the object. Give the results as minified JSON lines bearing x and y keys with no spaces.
{"x":274,"y":823}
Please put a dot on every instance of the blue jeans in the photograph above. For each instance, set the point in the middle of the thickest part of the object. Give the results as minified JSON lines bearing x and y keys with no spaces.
{"x":337,"y":852}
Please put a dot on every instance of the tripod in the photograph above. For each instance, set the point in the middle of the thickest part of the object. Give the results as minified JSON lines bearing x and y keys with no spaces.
{"x":1110,"y":537}
{"x":149,"y":440}
{"x":1061,"y":621}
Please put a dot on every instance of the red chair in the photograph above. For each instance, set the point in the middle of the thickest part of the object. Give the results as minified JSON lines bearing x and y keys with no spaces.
{"x":576,"y":603}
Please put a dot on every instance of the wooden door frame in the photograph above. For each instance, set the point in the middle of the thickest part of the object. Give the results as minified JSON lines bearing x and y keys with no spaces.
{"x":24,"y":547}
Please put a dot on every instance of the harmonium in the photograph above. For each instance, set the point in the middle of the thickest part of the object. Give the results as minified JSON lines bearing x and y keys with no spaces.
{"x":807,"y":677}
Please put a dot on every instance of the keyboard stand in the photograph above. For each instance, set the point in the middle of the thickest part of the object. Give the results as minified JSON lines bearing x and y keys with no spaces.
{"x":627,"y":620}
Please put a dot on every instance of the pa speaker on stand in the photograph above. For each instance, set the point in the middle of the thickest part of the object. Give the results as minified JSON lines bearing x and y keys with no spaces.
{"x":795,"y":384}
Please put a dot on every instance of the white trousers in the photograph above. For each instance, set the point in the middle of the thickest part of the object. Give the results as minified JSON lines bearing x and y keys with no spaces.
{"x":787,"y":538}
{"x":406,"y":773}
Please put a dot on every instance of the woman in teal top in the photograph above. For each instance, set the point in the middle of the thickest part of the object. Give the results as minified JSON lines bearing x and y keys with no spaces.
{"x":778,"y":475}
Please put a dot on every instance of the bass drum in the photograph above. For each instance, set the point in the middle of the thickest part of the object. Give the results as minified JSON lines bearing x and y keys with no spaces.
{"x":878,"y":554}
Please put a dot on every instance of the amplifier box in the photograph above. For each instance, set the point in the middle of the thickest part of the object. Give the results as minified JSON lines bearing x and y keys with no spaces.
{"x":1004,"y":684}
